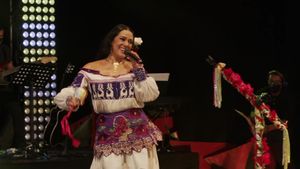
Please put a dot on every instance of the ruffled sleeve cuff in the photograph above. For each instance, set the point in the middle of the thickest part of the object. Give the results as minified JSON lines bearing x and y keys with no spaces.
{"x":139,"y":73}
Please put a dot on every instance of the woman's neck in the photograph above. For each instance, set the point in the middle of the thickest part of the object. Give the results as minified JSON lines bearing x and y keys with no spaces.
{"x":111,"y":59}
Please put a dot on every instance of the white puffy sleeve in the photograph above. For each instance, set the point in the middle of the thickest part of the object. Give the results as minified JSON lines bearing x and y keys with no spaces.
{"x":145,"y":87}
{"x":78,"y":89}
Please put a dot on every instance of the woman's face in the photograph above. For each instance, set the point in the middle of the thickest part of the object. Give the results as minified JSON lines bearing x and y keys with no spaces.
{"x":123,"y":40}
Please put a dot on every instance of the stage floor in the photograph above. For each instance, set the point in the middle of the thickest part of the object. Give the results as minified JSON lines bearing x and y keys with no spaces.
{"x":75,"y":159}
{"x":82,"y":158}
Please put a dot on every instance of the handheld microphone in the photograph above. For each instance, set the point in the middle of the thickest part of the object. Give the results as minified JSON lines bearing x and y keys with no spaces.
{"x":132,"y":56}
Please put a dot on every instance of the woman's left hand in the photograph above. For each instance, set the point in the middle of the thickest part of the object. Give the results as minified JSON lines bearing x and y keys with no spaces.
{"x":137,"y":62}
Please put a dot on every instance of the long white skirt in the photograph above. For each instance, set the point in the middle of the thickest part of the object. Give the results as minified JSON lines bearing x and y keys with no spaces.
{"x":146,"y":159}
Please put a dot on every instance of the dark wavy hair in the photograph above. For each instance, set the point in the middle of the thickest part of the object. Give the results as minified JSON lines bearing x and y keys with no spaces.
{"x":106,"y":45}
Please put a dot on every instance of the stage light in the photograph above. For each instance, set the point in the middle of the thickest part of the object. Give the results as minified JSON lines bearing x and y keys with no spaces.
{"x":38,"y":9}
{"x":32,"y":43}
{"x":26,"y":94}
{"x":45,"y":26}
{"x":53,"y":85}
{"x":39,"y":34}
{"x":46,"y":43}
{"x":32,"y":51}
{"x":47,"y":87}
{"x":25,"y":43}
{"x":38,"y":2}
{"x":25,"y":25}
{"x":27,"y":136}
{"x":32,"y":59}
{"x":24,"y":1}
{"x":39,"y":51}
{"x":51,"y":2}
{"x":45,"y":18}
{"x":40,"y":110}
{"x":53,"y":52}
{"x":27,"y":128}
{"x":52,"y":10}
{"x":52,"y":43}
{"x":25,"y":9}
{"x":53,"y":77}
{"x":32,"y":26}
{"x":31,"y":34}
{"x":46,"y":35}
{"x":47,"y":110}
{"x":25,"y":59}
{"x":39,"y":26}
{"x":25,"y":17}
{"x":38,"y":41}
{"x":40,"y":102}
{"x":39,"y":18}
{"x":52,"y":35}
{"x":27,"y":111}
{"x":45,"y":2}
{"x":46,"y":51}
{"x":25,"y":51}
{"x":47,"y":93}
{"x":41,"y":127}
{"x":31,"y":9}
{"x":40,"y":93}
{"x":53,"y":93}
{"x":31,"y":17}
{"x":52,"y":26}
{"x":27,"y":119}
{"x":25,"y":34}
{"x":45,"y":10}
{"x":52,"y":18}
{"x":47,"y":101}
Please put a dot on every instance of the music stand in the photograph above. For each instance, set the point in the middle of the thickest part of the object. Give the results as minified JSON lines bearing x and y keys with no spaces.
{"x":162,"y":80}
{"x":162,"y":102}
{"x":32,"y":75}
{"x":160,"y":111}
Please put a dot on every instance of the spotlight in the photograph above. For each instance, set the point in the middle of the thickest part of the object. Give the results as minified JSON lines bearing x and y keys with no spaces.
{"x":38,"y":39}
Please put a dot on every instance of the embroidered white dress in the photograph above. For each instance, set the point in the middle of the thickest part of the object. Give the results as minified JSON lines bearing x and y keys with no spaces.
{"x":125,"y":137}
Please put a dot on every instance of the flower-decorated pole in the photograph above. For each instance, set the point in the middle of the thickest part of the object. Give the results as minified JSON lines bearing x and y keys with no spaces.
{"x":261,"y":110}
{"x":247,"y":91}
{"x":262,"y":155}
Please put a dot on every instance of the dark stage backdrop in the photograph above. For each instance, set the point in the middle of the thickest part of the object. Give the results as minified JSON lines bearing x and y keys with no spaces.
{"x":4,"y":19}
{"x":251,"y":36}
{"x":4,"y":14}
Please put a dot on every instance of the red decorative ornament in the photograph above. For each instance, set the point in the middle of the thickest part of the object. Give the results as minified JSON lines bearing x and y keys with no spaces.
{"x":262,"y":155}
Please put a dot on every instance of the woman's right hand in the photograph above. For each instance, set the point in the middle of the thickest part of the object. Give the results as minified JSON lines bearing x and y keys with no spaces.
{"x":73,"y":103}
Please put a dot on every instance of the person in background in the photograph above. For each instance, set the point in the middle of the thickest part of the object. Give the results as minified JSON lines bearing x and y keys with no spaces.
{"x":10,"y":108}
{"x":275,"y":95}
{"x":118,"y":86}
{"x":6,"y":62}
